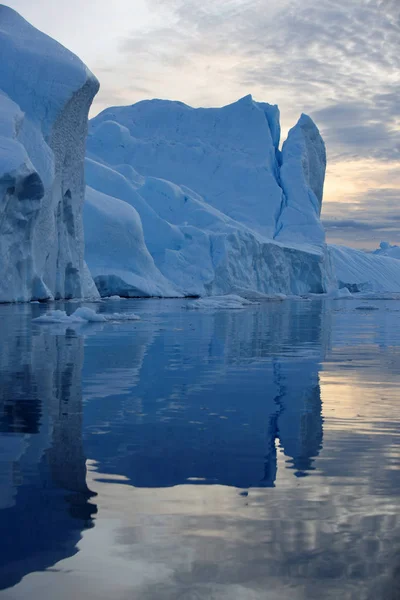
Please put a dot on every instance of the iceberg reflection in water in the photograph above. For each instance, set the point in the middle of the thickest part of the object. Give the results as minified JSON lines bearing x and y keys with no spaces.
{"x":204,"y":437}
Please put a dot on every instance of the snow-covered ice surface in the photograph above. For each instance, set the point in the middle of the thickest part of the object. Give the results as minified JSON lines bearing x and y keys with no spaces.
{"x":45,"y":96}
{"x":365,"y":272}
{"x":211,"y":197}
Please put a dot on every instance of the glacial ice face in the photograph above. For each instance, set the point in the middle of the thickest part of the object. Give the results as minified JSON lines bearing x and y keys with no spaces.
{"x":116,"y":252}
{"x":206,"y":185}
{"x":226,"y":155}
{"x":365,"y":271}
{"x":45,"y":96}
{"x":302,"y":177}
{"x":196,"y":249}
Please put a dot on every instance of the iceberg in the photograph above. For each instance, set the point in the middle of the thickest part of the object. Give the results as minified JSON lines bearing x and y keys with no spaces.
{"x":227,"y":302}
{"x":179,"y":201}
{"x":83,"y":315}
{"x":45,"y":96}
{"x":360,"y":271}
{"x":216,"y":206}
{"x":385,"y":249}
{"x":302,"y":176}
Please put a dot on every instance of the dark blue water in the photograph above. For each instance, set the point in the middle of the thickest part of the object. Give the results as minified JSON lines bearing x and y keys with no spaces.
{"x":248,"y":454}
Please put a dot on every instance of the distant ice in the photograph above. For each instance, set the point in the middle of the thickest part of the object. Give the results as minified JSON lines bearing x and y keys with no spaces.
{"x":385,"y":249}
{"x":114,"y":298}
{"x":365,"y":272}
{"x":230,"y":301}
{"x":83,"y":315}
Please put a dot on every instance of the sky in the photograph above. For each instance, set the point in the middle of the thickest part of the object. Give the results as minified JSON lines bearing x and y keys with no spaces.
{"x":336,"y":60}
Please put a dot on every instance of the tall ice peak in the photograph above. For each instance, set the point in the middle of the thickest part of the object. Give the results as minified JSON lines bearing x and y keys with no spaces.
{"x":45,"y":96}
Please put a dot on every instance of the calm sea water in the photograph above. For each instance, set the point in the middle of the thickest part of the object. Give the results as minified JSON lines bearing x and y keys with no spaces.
{"x":226,"y":455}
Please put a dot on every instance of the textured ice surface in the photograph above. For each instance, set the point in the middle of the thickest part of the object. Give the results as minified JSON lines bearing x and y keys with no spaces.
{"x":385,"y":249}
{"x":180,"y":201}
{"x":205,"y":186}
{"x":45,"y":95}
{"x":230,"y":301}
{"x":226,"y":155}
{"x":302,"y":177}
{"x":365,"y":272}
{"x":83,"y":315}
{"x":115,"y":250}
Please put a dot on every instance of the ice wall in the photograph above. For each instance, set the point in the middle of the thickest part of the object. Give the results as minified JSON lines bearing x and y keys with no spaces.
{"x":45,"y":96}
{"x":226,"y":155}
{"x":365,"y":271}
{"x":302,"y":176}
{"x":215,"y":196}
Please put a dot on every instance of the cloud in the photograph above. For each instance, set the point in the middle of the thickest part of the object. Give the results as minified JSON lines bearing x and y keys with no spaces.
{"x":314,"y":56}
{"x":369,"y":219}
{"x":337,"y":60}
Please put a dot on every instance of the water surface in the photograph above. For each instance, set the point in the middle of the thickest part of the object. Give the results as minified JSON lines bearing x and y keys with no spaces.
{"x":249,"y":454}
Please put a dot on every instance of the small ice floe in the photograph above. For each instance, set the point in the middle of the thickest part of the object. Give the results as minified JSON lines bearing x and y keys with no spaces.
{"x":113,"y":298}
{"x":83,"y":315}
{"x":122,"y":317}
{"x":340,"y":294}
{"x":230,"y":301}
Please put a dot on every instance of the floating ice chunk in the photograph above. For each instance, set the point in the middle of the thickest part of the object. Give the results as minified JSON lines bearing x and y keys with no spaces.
{"x":230,"y":301}
{"x":84,"y":315}
{"x":81,"y":315}
{"x":340,"y":294}
{"x":122,"y":317}
{"x":89,"y":315}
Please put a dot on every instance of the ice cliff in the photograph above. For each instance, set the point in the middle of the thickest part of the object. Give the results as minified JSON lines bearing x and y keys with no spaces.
{"x":45,"y":96}
{"x":215,"y":205}
{"x":180,"y":201}
{"x":365,"y":271}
